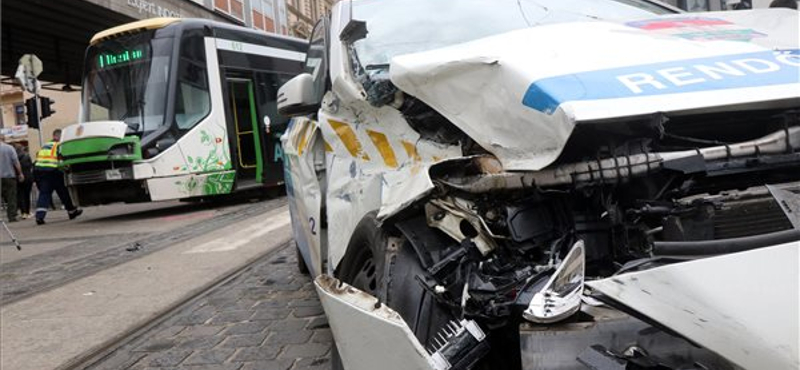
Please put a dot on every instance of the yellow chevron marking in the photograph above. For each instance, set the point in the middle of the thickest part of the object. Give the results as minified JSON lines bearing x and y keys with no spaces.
{"x":349,"y":139}
{"x":411,"y":150}
{"x":328,"y":147}
{"x":303,"y":137}
{"x":380,"y":141}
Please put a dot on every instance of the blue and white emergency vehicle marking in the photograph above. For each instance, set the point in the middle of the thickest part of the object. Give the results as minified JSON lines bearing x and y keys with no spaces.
{"x":765,"y":68}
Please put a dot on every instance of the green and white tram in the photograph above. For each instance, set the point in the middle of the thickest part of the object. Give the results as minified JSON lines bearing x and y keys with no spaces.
{"x":177,"y":108}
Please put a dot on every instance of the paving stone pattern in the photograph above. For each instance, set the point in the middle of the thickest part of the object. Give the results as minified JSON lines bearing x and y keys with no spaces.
{"x":268,"y":318}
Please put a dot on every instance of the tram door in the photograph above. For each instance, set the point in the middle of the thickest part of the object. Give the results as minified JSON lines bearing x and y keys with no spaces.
{"x":267,"y":84}
{"x":245,"y":134}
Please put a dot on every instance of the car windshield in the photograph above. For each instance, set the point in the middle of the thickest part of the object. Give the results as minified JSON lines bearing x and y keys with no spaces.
{"x":397,"y":27}
{"x":126,"y":80}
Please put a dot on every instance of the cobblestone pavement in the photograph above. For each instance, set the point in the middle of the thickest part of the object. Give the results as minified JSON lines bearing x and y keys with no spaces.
{"x":268,"y":318}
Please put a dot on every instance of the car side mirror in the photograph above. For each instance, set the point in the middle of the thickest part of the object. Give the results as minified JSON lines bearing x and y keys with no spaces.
{"x":297,"y":98}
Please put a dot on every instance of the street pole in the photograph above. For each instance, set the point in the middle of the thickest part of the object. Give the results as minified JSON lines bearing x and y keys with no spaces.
{"x":30,"y":67}
{"x":39,"y":115}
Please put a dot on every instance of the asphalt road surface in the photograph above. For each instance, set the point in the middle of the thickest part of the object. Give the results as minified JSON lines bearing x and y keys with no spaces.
{"x":160,"y":285}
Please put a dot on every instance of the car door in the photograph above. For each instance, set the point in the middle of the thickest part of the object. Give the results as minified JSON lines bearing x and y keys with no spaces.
{"x":304,"y":163}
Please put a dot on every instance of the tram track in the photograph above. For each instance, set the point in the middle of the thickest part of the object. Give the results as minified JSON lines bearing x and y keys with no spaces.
{"x":26,"y":278}
{"x":94,"y":357}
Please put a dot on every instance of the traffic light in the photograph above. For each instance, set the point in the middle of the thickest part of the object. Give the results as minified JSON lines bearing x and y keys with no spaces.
{"x":46,"y":104}
{"x":32,"y":112}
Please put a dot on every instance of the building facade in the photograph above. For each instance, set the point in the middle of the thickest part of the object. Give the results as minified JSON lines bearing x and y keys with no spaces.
{"x":303,"y":14}
{"x":284,"y":17}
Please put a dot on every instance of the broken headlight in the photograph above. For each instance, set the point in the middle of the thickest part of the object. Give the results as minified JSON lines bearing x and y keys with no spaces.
{"x":561,"y":296}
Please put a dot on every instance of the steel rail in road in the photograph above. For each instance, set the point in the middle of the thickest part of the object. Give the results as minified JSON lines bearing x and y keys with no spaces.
{"x":97,"y":355}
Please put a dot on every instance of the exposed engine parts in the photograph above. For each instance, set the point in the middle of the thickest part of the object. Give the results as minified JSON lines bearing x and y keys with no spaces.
{"x":623,"y":168}
{"x":517,"y":247}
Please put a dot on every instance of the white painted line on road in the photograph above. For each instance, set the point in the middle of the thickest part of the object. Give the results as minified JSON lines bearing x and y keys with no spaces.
{"x":243,"y":236}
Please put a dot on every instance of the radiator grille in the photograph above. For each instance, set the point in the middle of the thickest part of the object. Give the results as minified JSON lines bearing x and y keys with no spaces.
{"x":749,"y":217}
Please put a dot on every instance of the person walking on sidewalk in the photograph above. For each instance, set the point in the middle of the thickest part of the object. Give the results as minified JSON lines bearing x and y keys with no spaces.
{"x":49,"y":178}
{"x":10,"y":173}
{"x":24,"y":187}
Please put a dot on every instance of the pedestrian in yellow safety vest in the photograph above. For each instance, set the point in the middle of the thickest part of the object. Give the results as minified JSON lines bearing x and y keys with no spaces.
{"x":48,"y":178}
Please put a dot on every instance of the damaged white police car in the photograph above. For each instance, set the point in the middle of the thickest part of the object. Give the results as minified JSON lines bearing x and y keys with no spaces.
{"x":550,"y":184}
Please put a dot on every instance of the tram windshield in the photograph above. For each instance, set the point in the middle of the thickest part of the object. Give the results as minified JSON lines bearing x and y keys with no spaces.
{"x":126,"y":79}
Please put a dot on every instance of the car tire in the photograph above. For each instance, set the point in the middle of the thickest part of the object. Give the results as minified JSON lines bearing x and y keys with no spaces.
{"x":425,"y":316}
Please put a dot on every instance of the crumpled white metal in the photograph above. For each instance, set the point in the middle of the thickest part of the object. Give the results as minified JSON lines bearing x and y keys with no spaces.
{"x":743,"y":306}
{"x":369,"y":335}
{"x":481,"y":86}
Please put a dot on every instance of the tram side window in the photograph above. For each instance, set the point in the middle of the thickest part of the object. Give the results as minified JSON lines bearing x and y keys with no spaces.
{"x":193,"y":101}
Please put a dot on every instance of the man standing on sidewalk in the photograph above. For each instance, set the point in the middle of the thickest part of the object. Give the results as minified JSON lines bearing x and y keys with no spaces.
{"x":49,"y":178}
{"x":10,"y":172}
{"x":24,"y":187}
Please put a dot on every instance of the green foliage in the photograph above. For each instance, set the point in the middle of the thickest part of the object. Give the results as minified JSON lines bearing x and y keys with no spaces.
{"x":219,"y":183}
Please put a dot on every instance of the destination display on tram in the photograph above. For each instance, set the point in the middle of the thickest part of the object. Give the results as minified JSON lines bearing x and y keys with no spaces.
{"x":106,"y":60}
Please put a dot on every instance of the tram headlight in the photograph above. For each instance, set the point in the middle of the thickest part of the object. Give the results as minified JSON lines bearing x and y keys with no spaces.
{"x":120,"y":150}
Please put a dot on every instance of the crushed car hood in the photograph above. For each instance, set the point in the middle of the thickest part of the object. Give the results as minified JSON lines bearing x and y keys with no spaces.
{"x":743,"y":306}
{"x":520,"y":94}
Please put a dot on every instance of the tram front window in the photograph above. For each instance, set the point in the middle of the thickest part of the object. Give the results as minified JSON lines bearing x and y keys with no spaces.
{"x":126,"y":80}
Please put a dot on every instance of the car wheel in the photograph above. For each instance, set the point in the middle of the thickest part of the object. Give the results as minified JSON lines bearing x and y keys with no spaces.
{"x":425,"y":316}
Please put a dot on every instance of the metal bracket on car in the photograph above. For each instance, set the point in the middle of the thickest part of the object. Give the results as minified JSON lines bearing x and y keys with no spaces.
{"x":455,"y":222}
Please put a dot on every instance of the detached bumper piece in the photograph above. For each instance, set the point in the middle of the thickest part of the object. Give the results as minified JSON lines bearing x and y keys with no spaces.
{"x":369,"y":335}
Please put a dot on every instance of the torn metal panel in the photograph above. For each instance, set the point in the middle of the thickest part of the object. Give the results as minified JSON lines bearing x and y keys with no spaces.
{"x":368,"y":334}
{"x":522,"y":103}
{"x":742,"y":306}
